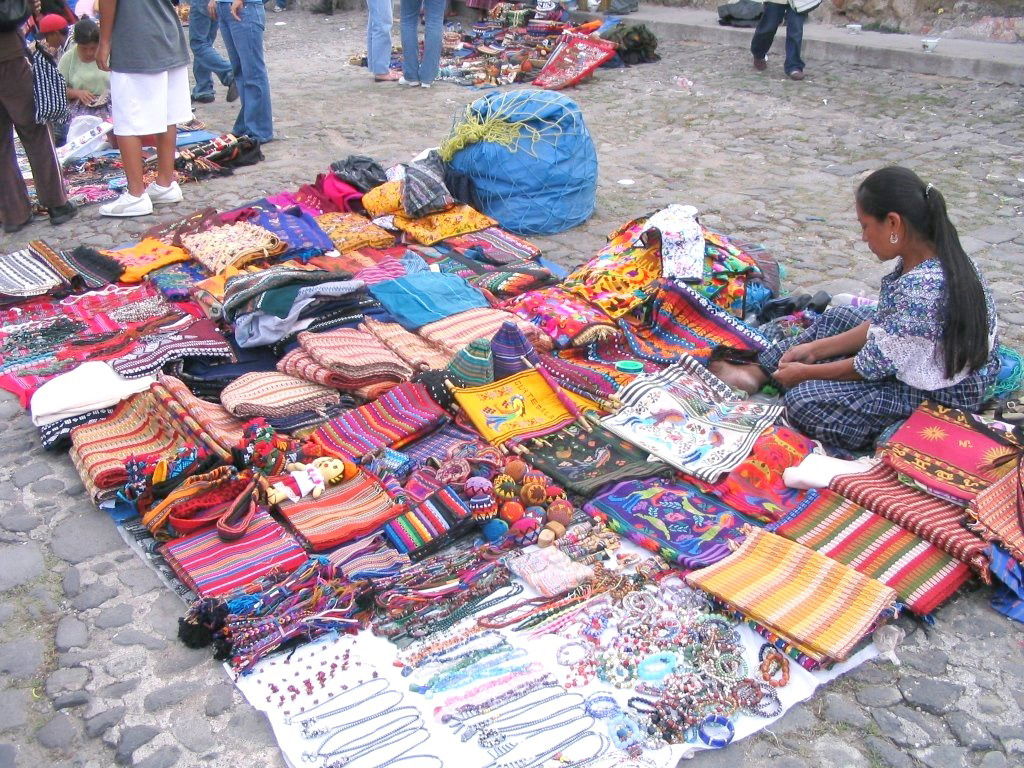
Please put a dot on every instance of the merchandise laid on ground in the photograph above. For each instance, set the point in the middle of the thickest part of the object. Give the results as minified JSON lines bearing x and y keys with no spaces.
{"x":437,"y":501}
{"x":537,"y":45}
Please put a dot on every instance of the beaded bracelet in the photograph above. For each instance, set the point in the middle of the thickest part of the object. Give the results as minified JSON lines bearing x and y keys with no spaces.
{"x":712,"y":723}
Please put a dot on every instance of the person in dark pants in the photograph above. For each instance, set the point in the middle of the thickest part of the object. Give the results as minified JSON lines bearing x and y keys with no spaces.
{"x":774,"y":12}
{"x":17,"y":111}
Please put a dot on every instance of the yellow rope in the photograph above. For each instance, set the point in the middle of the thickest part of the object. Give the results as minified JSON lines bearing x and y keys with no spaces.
{"x":494,"y":129}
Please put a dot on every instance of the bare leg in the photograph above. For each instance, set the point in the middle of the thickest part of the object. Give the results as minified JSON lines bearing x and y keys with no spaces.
{"x":165,"y":147}
{"x":747,"y":378}
{"x":131,"y":157}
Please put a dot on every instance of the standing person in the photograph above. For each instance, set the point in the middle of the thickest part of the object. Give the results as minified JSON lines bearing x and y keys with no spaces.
{"x":18,"y":112}
{"x":143,"y":47}
{"x":774,"y":12}
{"x":241,"y":26}
{"x":378,"y":40}
{"x":416,"y":69}
{"x":206,"y":61}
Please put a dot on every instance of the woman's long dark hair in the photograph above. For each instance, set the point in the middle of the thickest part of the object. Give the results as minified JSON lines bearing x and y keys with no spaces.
{"x":923,"y":210}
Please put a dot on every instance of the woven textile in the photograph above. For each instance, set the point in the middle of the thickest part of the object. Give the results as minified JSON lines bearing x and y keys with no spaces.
{"x":275,"y":395}
{"x":497,"y":245}
{"x":621,"y":276}
{"x":455,"y":332}
{"x":403,"y":414}
{"x":677,"y":321}
{"x":923,"y":575}
{"x":473,"y":365}
{"x":512,"y":351}
{"x":298,"y":230}
{"x":368,"y":557}
{"x":430,"y":525}
{"x":23,"y":275}
{"x":175,"y":281}
{"x":243,"y":291}
{"x":199,"y":221}
{"x":823,"y":607}
{"x":232,"y":246}
{"x":441,"y":443}
{"x":56,"y":436}
{"x":416,"y":351}
{"x":298,"y":363}
{"x":345,"y":511}
{"x":944,"y":453}
{"x":934,"y":520}
{"x":457,"y":220}
{"x":755,"y":487}
{"x":690,"y":419}
{"x":145,"y":256}
{"x":575,"y":57}
{"x":582,"y":461}
{"x":207,"y":424}
{"x":687,"y":528}
{"x":514,"y":409}
{"x":211,"y":567}
{"x":427,"y":297}
{"x":996,"y":513}
{"x":185,"y":337}
{"x":355,"y":356}
{"x":136,"y":427}
{"x":349,"y":231}
{"x":566,"y":318}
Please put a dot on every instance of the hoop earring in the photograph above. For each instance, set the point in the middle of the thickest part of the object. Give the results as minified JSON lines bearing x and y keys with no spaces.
{"x":894,"y":238}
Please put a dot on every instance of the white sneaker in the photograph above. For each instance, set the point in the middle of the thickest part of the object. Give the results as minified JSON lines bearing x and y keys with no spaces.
{"x":128,"y":205}
{"x":410,"y":83}
{"x":424,"y":85}
{"x":162,"y":195}
{"x":278,"y":9}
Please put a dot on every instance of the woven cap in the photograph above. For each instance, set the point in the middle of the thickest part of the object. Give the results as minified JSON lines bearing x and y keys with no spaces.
{"x":509,"y":346}
{"x":473,"y":365}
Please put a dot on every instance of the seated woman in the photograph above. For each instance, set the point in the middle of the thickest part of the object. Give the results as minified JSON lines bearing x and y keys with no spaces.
{"x":857,"y":371}
{"x":88,"y":85}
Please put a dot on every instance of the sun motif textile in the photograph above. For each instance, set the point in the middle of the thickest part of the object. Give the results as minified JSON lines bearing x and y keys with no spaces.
{"x":582,"y":461}
{"x":825,"y":608}
{"x":943,"y":452}
{"x":755,"y":487}
{"x":687,"y":417}
{"x":923,"y":575}
{"x":516,"y":408}
{"x":686,"y":527}
{"x":575,"y":57}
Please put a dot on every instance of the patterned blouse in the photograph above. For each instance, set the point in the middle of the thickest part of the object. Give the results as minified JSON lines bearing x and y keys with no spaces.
{"x":905,"y":337}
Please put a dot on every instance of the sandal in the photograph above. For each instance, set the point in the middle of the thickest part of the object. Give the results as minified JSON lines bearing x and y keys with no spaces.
{"x":1011,"y":412}
{"x":390,"y":77}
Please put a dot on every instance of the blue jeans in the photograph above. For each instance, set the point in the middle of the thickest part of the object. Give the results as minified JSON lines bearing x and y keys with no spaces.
{"x":378,"y":36}
{"x":244,"y":41}
{"x":414,"y":68}
{"x":202,"y":33}
{"x":773,"y":15}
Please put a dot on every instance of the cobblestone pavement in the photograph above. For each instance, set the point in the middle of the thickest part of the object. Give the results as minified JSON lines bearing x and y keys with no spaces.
{"x":91,"y":671}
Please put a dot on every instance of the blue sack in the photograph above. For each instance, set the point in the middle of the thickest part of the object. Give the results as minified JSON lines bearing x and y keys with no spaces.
{"x":530,"y":157}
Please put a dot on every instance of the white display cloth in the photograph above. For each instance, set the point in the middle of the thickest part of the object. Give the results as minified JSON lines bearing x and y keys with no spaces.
{"x":266,"y":687}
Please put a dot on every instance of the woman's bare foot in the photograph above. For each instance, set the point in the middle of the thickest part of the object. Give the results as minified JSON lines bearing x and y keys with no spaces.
{"x":747,"y":377}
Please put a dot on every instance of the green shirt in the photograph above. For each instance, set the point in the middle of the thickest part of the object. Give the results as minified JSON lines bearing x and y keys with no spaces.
{"x":82,"y":76}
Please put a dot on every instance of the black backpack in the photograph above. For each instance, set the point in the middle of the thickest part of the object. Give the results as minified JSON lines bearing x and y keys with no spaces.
{"x":13,"y":14}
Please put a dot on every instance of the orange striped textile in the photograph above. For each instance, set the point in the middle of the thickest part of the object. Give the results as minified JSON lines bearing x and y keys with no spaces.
{"x":824,"y":608}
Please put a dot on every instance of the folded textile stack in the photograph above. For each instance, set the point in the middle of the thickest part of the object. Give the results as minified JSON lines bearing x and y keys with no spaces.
{"x":212,"y":567}
{"x":354,"y":357}
{"x":923,"y":575}
{"x":416,"y":351}
{"x":455,"y":332}
{"x":400,"y":416}
{"x":275,"y":395}
{"x":822,"y":607}
{"x":345,"y":511}
{"x":88,"y":387}
{"x":350,"y":231}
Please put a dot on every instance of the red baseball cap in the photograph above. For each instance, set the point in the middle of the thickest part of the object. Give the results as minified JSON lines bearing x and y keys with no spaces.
{"x":52,"y":22}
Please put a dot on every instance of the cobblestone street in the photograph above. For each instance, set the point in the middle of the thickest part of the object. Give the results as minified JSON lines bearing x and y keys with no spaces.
{"x":92,"y":672}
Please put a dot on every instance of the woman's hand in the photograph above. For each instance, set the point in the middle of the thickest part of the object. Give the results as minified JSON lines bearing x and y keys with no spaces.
{"x":81,"y":95}
{"x":788,"y":375}
{"x":801,"y":353}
